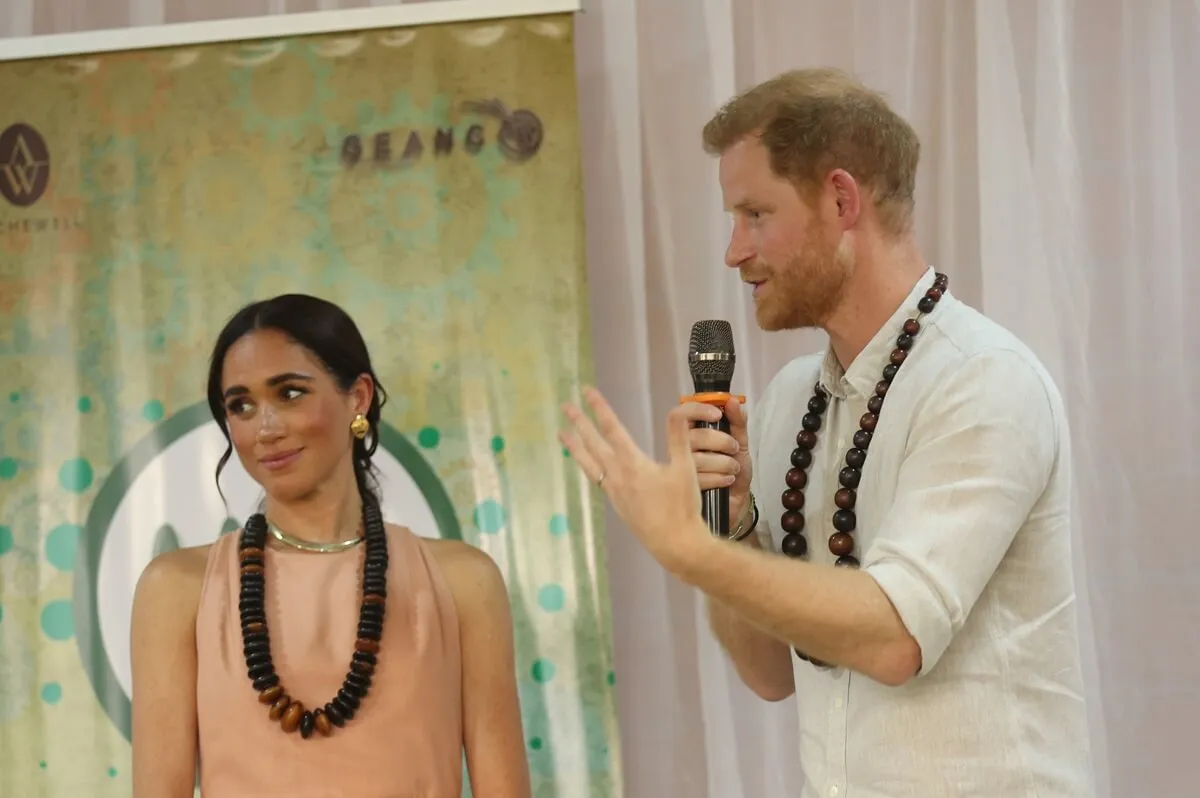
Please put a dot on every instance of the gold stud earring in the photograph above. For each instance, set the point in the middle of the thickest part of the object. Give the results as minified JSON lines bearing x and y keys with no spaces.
{"x":360,"y":426}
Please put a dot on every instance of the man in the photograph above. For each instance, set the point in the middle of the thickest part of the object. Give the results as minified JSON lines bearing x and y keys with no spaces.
{"x":914,"y":480}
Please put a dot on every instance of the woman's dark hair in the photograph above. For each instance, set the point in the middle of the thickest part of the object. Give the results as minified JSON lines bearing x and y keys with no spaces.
{"x":328,"y":332}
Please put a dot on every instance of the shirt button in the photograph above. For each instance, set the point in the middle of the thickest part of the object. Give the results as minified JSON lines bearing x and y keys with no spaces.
{"x":833,"y":790}
{"x":838,"y":703}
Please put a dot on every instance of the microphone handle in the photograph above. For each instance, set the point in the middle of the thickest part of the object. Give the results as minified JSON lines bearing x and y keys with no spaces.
{"x":714,"y":503}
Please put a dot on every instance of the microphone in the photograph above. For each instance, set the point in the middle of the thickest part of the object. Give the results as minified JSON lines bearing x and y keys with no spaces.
{"x":711,"y":360}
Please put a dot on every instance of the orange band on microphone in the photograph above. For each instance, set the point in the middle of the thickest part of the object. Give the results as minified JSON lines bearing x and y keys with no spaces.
{"x":714,"y":398}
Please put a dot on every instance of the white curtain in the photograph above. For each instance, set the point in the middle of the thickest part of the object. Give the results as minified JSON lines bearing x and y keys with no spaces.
{"x":1060,"y":190}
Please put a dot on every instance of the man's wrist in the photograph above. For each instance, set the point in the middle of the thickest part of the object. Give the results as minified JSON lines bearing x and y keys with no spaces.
{"x":747,"y":520}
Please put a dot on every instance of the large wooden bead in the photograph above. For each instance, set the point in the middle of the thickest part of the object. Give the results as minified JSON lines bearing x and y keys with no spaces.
{"x":271,"y":694}
{"x":279,"y":707}
{"x":290,"y":721}
{"x":321,"y":721}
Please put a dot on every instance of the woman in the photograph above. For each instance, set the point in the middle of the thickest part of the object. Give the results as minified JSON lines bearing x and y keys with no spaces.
{"x":318,"y":651}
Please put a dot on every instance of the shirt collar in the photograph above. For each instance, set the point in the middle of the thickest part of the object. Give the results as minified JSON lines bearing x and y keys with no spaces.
{"x":866,"y":369}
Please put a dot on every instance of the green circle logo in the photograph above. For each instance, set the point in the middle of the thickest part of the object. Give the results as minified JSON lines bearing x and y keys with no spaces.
{"x":161,"y":496}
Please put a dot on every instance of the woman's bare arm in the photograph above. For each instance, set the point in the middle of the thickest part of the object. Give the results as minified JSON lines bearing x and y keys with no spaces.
{"x":492,"y":731}
{"x":163,"y":653}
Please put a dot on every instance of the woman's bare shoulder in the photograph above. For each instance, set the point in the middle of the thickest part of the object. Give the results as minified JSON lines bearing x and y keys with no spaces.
{"x":174,"y":578}
{"x":471,"y":574}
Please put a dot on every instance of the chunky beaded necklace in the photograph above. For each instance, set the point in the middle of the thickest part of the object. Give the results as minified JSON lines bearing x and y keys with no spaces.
{"x":841,"y":542}
{"x":256,"y":644}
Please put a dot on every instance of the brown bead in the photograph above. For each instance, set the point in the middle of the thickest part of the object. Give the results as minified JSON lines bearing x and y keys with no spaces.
{"x":868,"y":422}
{"x":898,"y":356}
{"x":845,"y":498}
{"x":792,"y":521}
{"x":934,"y":293}
{"x":792,"y":499}
{"x":841,"y":544}
{"x":322,"y":723}
{"x":875,"y":404}
{"x":271,"y":694}
{"x":912,"y":326}
{"x":796,"y":478}
{"x":252,"y":569}
{"x":806,"y":439}
{"x":371,"y":598}
{"x":358,"y":666}
{"x":256,"y":627}
{"x":290,"y":721}
{"x":881,"y":388}
{"x":251,"y":552}
{"x":363,"y":644}
{"x":278,"y":707}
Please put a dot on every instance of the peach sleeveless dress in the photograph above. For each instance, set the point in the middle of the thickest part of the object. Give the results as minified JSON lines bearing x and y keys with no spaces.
{"x":405,"y":741}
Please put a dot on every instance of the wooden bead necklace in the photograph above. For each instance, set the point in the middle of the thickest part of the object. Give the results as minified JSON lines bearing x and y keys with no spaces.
{"x":256,"y":644}
{"x":841,"y":542}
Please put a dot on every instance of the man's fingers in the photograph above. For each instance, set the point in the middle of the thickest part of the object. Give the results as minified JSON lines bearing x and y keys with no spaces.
{"x":713,"y":481}
{"x":589,"y":465}
{"x":588,"y":439}
{"x":707,"y":463}
{"x":698,"y":411}
{"x":712,"y":440}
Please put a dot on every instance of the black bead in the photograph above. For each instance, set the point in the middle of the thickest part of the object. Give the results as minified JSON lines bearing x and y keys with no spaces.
{"x":259,"y":671}
{"x":365,"y":656}
{"x":795,"y":545}
{"x":862,"y":439}
{"x":254,"y":637}
{"x":801,"y":458}
{"x":926,"y":304}
{"x":251,"y":591}
{"x":855,"y":458}
{"x":844,"y":520}
{"x":334,"y":714}
{"x":811,"y":422}
{"x":881,"y":388}
{"x":371,"y":610}
{"x":890,"y":371}
{"x":360,"y":680}
{"x":252,"y":561}
{"x":264,"y":682}
{"x":258,"y":658}
{"x":875,"y":404}
{"x":904,"y":341}
{"x":848,"y":561}
{"x":353,"y":689}
{"x":346,"y":701}
{"x":257,"y":647}
{"x":849,"y":477}
{"x":306,"y":725}
{"x":370,"y":630}
{"x":817,"y":404}
{"x":250,"y":603}
{"x":252,"y":580}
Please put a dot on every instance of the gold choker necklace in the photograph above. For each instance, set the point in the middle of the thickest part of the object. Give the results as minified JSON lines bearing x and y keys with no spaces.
{"x":308,"y":545}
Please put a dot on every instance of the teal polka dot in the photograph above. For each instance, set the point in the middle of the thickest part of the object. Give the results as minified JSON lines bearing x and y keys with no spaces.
{"x":1,"y":612}
{"x":84,"y":404}
{"x":551,"y":598}
{"x":612,"y":678}
{"x":76,"y":475}
{"x":51,"y":692}
{"x":566,"y":452}
{"x":8,"y":468}
{"x":489,"y":517}
{"x":558,"y":524}
{"x":543,"y":671}
{"x":229,"y":525}
{"x":42,"y":764}
{"x":14,"y":397}
{"x":497,"y":444}
{"x":158,"y":341}
{"x":535,"y":743}
{"x":57,"y":621}
{"x":428,"y":437}
{"x":112,"y":773}
{"x":6,"y":540}
{"x":153,"y":411}
{"x":61,"y":545}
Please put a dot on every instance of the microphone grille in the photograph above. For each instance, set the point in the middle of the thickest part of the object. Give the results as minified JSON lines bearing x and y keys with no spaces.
{"x":711,"y":337}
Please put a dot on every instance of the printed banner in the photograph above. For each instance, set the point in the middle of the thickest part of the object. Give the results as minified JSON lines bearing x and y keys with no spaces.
{"x":428,"y":181}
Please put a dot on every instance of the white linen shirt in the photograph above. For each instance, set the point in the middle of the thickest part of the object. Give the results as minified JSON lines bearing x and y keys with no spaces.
{"x":963,"y":517}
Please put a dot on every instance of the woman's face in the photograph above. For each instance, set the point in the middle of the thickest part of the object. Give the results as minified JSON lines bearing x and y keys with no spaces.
{"x":288,"y":419}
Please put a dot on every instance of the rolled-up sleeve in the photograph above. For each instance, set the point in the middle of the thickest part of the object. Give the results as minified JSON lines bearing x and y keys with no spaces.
{"x":981,"y":452}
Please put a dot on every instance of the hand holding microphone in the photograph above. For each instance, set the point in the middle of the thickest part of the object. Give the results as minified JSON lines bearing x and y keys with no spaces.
{"x":718,"y":440}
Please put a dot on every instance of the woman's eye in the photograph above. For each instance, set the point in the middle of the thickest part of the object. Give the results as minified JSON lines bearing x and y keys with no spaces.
{"x":290,"y":393}
{"x":238,"y":407}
